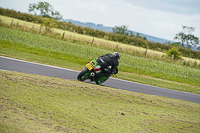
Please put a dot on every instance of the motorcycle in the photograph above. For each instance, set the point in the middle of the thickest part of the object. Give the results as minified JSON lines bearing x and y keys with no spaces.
{"x":91,"y":71}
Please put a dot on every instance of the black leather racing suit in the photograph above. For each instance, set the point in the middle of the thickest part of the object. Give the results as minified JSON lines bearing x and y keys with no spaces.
{"x":105,"y":61}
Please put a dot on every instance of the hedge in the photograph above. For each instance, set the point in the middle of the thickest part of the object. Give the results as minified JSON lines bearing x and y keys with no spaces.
{"x":131,"y":40}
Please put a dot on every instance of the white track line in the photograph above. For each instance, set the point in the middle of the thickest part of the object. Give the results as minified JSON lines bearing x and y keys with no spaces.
{"x":38,"y":64}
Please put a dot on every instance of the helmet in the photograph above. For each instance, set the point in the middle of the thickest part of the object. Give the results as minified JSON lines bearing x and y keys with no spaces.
{"x":117,"y":55}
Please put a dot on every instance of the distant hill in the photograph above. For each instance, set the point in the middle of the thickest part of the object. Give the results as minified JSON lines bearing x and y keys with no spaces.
{"x":109,"y":29}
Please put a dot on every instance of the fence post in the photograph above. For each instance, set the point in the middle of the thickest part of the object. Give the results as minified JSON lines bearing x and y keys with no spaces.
{"x":172,"y":58}
{"x":92,"y":41}
{"x":146,"y":52}
{"x":147,"y":46}
{"x":63,"y":35}
{"x":40,"y":29}
{"x":11,"y":23}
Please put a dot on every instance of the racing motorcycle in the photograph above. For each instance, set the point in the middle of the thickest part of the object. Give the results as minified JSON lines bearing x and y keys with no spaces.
{"x":91,"y":72}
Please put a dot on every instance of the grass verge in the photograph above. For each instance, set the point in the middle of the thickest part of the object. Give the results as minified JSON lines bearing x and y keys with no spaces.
{"x":33,"y":103}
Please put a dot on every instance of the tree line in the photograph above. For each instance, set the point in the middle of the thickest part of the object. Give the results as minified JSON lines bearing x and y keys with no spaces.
{"x":122,"y":38}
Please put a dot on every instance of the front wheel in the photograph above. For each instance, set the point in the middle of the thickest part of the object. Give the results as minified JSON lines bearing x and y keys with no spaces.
{"x":83,"y":75}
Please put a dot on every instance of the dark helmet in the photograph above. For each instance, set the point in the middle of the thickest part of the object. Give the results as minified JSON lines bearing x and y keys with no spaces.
{"x":117,"y":55}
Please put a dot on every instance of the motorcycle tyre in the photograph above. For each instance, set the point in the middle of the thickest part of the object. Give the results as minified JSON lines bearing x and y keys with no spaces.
{"x":84,"y":73}
{"x":101,"y":81}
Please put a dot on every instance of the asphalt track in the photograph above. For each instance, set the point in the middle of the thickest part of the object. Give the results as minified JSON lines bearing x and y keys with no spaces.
{"x":11,"y":64}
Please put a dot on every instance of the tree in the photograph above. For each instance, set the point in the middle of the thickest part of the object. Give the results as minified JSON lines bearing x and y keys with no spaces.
{"x":175,"y":44}
{"x":121,"y":29}
{"x":49,"y":23}
{"x":185,"y":37}
{"x":124,"y":30}
{"x":45,"y":9}
{"x":131,"y":34}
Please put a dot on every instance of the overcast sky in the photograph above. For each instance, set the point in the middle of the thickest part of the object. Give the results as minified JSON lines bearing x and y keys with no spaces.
{"x":159,"y":18}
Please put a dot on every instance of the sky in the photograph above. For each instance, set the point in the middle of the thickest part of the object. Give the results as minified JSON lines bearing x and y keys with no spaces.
{"x":159,"y":18}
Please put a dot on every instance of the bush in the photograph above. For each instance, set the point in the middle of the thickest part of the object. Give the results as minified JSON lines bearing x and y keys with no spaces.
{"x":174,"y":52}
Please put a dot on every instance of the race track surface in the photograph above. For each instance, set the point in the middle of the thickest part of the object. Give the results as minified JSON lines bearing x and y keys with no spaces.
{"x":47,"y":70}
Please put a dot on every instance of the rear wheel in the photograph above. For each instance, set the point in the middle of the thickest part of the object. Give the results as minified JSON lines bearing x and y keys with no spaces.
{"x":101,"y":80}
{"x":83,"y":75}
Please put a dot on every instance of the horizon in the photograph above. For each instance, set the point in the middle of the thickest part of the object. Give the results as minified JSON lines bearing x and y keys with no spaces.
{"x":158,"y":18}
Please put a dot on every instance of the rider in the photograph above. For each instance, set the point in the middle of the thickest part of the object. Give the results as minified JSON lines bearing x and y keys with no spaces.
{"x":109,"y":63}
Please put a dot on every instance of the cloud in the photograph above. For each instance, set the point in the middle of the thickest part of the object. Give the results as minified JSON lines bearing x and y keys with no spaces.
{"x":160,"y":18}
{"x":177,"y":6}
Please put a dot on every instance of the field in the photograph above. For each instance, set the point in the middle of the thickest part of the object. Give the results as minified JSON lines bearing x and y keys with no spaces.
{"x":33,"y":103}
{"x":33,"y":47}
{"x":98,"y":41}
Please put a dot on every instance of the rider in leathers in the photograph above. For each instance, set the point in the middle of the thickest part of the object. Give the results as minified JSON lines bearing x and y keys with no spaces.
{"x":109,"y":64}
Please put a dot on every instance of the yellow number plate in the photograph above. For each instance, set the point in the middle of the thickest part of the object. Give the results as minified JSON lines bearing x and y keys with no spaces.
{"x":89,"y":66}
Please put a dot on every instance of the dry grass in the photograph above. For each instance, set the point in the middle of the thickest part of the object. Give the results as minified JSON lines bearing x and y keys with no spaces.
{"x":102,"y":43}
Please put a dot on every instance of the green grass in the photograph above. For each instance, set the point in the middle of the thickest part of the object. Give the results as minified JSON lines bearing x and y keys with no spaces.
{"x":51,"y":51}
{"x":73,"y":35}
{"x":33,"y":103}
{"x":131,"y":49}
